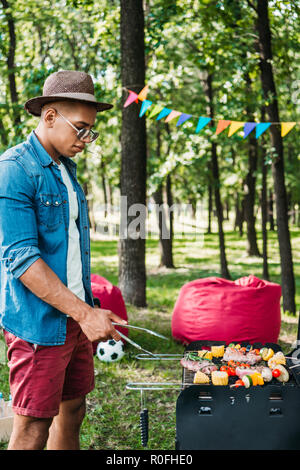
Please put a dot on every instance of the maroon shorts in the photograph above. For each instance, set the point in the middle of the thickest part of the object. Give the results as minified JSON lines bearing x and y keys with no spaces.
{"x":43,"y":376}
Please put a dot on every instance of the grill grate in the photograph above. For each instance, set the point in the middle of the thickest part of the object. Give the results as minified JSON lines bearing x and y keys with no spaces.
{"x":188,"y":375}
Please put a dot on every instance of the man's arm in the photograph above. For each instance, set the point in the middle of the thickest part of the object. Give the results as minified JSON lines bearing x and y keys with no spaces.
{"x":19,"y":247}
{"x":45,"y":284}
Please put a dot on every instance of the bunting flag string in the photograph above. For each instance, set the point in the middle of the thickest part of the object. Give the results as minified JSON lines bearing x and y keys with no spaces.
{"x":160,"y":112}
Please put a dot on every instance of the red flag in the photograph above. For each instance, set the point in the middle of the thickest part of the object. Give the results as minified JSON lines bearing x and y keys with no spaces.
{"x":221,"y":126}
{"x":131,"y":98}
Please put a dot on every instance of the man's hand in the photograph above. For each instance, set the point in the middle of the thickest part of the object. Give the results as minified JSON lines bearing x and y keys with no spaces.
{"x":94,"y":322}
{"x":96,"y":325}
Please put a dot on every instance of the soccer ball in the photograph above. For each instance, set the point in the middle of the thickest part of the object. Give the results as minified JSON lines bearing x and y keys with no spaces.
{"x":110,"y":351}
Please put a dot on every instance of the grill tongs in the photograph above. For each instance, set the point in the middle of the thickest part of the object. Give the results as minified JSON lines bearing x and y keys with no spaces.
{"x":136,"y":345}
{"x":133,"y":343}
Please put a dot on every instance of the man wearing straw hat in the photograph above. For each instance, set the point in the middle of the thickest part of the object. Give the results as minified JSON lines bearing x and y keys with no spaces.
{"x":46,"y":304}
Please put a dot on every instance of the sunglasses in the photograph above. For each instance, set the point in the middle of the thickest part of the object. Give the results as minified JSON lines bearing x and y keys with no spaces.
{"x":82,"y":134}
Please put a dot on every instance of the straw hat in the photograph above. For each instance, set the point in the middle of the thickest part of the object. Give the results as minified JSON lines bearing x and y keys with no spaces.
{"x":66,"y":85}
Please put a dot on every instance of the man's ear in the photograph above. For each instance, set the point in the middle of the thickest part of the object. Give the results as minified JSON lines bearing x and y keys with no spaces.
{"x":49,"y":117}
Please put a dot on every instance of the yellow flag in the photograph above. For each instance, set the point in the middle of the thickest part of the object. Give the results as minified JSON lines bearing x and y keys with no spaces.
{"x":286,"y":127}
{"x":143,"y":93}
{"x":234,"y":126}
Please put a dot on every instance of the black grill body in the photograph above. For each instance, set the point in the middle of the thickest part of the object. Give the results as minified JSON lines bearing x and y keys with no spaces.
{"x":264,"y":417}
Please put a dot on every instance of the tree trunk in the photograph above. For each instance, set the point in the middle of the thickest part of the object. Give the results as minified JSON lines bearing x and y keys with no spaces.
{"x":239,"y":214}
{"x":264,"y":211}
{"x":165,"y":244}
{"x":269,"y":90}
{"x":264,"y":205}
{"x":103,"y":180}
{"x":10,"y":61}
{"x":271,"y":211}
{"x":210,"y":202}
{"x":216,"y":180}
{"x":252,"y":248}
{"x":3,"y":134}
{"x":171,"y":217}
{"x":165,"y":234}
{"x":132,"y":268}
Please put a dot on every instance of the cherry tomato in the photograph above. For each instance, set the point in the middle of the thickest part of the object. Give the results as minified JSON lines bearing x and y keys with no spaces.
{"x":231,"y":371}
{"x":257,"y":351}
{"x":276,"y":373}
{"x":239,"y":383}
{"x":224,"y":369}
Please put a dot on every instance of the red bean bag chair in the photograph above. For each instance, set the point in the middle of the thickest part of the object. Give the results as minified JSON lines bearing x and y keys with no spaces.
{"x":111,"y":298}
{"x":216,"y":309}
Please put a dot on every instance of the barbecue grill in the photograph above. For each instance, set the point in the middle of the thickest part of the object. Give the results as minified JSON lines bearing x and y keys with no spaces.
{"x":210,"y":417}
{"x":220,"y":417}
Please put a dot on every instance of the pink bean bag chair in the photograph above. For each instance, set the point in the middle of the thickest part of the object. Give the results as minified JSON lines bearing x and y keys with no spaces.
{"x":216,"y":309}
{"x":110,"y":298}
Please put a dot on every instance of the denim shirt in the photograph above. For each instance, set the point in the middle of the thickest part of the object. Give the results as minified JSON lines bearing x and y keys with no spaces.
{"x":34,"y":223}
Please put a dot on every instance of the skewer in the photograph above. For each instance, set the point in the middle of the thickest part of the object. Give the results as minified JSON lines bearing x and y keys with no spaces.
{"x":161,"y":357}
{"x":292,"y":367}
{"x":158,"y":385}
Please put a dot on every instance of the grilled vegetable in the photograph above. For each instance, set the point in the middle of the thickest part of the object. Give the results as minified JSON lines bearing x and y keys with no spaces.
{"x":259,"y":379}
{"x":247,"y":381}
{"x":278,"y":358}
{"x":219,"y":378}
{"x":266,"y":374}
{"x":266,"y":353}
{"x":284,"y":375}
{"x":204,"y":354}
{"x":218,"y":351}
{"x":201,"y":378}
{"x":276,"y":373}
{"x":263,"y":352}
{"x":192,"y":356}
{"x":238,"y":383}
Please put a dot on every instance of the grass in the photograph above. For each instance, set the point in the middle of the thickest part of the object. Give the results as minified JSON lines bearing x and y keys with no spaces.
{"x":112,"y":419}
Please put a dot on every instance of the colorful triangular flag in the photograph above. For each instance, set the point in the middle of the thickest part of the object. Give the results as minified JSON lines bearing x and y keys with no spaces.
{"x":143,"y":93}
{"x":202,"y":123}
{"x":234,"y":126}
{"x":157,"y":109}
{"x":222,"y":124}
{"x":164,"y":112}
{"x":145,"y":105}
{"x":248,"y":127}
{"x":286,"y":127}
{"x":184,"y":117}
{"x":173,"y":114}
{"x":131,"y":98}
{"x":261,"y":128}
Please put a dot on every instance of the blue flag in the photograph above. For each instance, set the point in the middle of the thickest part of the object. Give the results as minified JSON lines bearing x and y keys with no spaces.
{"x":145,"y":105}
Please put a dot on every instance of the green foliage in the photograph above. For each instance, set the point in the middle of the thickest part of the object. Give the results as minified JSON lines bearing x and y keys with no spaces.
{"x":183,"y":41}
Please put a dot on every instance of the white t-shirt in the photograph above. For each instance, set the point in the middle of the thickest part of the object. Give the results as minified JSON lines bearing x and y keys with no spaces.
{"x":74,"y":266}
